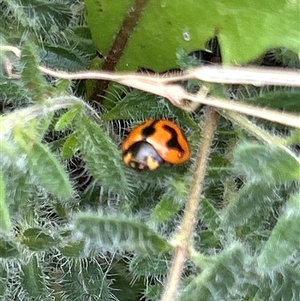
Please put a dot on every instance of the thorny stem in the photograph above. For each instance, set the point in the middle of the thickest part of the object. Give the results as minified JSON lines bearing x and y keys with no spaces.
{"x":184,"y":236}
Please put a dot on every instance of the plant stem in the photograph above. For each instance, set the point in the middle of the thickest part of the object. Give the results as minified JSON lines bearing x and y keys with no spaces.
{"x":184,"y":236}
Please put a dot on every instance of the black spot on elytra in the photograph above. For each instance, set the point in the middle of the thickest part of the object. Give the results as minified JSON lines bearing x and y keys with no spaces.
{"x":173,"y":142}
{"x":149,"y":130}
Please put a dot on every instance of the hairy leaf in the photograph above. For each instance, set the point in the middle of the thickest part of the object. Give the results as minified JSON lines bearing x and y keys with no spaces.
{"x":100,"y":154}
{"x":65,"y":120}
{"x":5,"y":221}
{"x":37,"y":240}
{"x":31,"y":75}
{"x":33,"y":279}
{"x":266,"y":163}
{"x":70,"y":146}
{"x":44,"y":165}
{"x":85,"y":279}
{"x":124,"y":234}
{"x":284,"y":240}
{"x":145,"y":265}
{"x":221,"y":281}
{"x":8,"y":249}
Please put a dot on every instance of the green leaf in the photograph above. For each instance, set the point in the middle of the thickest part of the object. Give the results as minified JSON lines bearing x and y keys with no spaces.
{"x":31,"y":75}
{"x":65,"y":120}
{"x":139,"y":105}
{"x":5,"y":221}
{"x":44,"y":165}
{"x":283,"y":100}
{"x":221,"y":281}
{"x":84,"y":279}
{"x":165,"y":210}
{"x":73,"y":248}
{"x":254,"y":201}
{"x":4,"y":278}
{"x":266,"y":163}
{"x":209,"y":215}
{"x":149,"y":266}
{"x":33,"y":279}
{"x":70,"y":146}
{"x":116,"y":233}
{"x":245,"y":29}
{"x":37,"y":240}
{"x":8,"y":249}
{"x":102,"y":158}
{"x":284,"y":239}
{"x":63,"y":58}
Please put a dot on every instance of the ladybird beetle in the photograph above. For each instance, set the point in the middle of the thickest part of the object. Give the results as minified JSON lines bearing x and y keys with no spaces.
{"x":154,"y":142}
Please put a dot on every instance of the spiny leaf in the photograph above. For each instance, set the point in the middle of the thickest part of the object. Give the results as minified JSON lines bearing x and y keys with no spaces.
{"x":145,"y":265}
{"x":33,"y":279}
{"x":70,"y":146}
{"x":85,"y":279}
{"x":283,"y":100}
{"x":255,"y":201}
{"x":209,"y":215}
{"x":266,"y":163}
{"x":100,"y":154}
{"x":124,"y":234}
{"x":73,"y":248}
{"x":65,"y":120}
{"x":63,"y":58}
{"x":44,"y":165}
{"x":37,"y":240}
{"x":5,"y":221}
{"x":4,"y":277}
{"x":220,"y":281}
{"x":284,"y":239}
{"x":165,"y":210}
{"x":8,"y":249}
{"x":31,"y":75}
{"x":139,"y":105}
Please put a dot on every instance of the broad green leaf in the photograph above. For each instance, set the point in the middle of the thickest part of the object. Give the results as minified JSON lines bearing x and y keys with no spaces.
{"x":284,"y":239}
{"x":44,"y":165}
{"x":37,"y":240}
{"x":266,"y":163}
{"x":32,"y":279}
{"x":245,"y":29}
{"x":116,"y":233}
{"x":5,"y":221}
{"x":102,"y":158}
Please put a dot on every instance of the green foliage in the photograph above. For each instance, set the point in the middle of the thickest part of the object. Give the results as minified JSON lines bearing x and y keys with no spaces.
{"x":282,"y":243}
{"x":76,"y":223}
{"x":100,"y":155}
{"x":153,"y":44}
{"x":115,"y":233}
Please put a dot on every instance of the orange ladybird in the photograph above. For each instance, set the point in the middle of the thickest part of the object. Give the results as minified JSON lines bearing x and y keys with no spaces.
{"x":154,"y":142}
